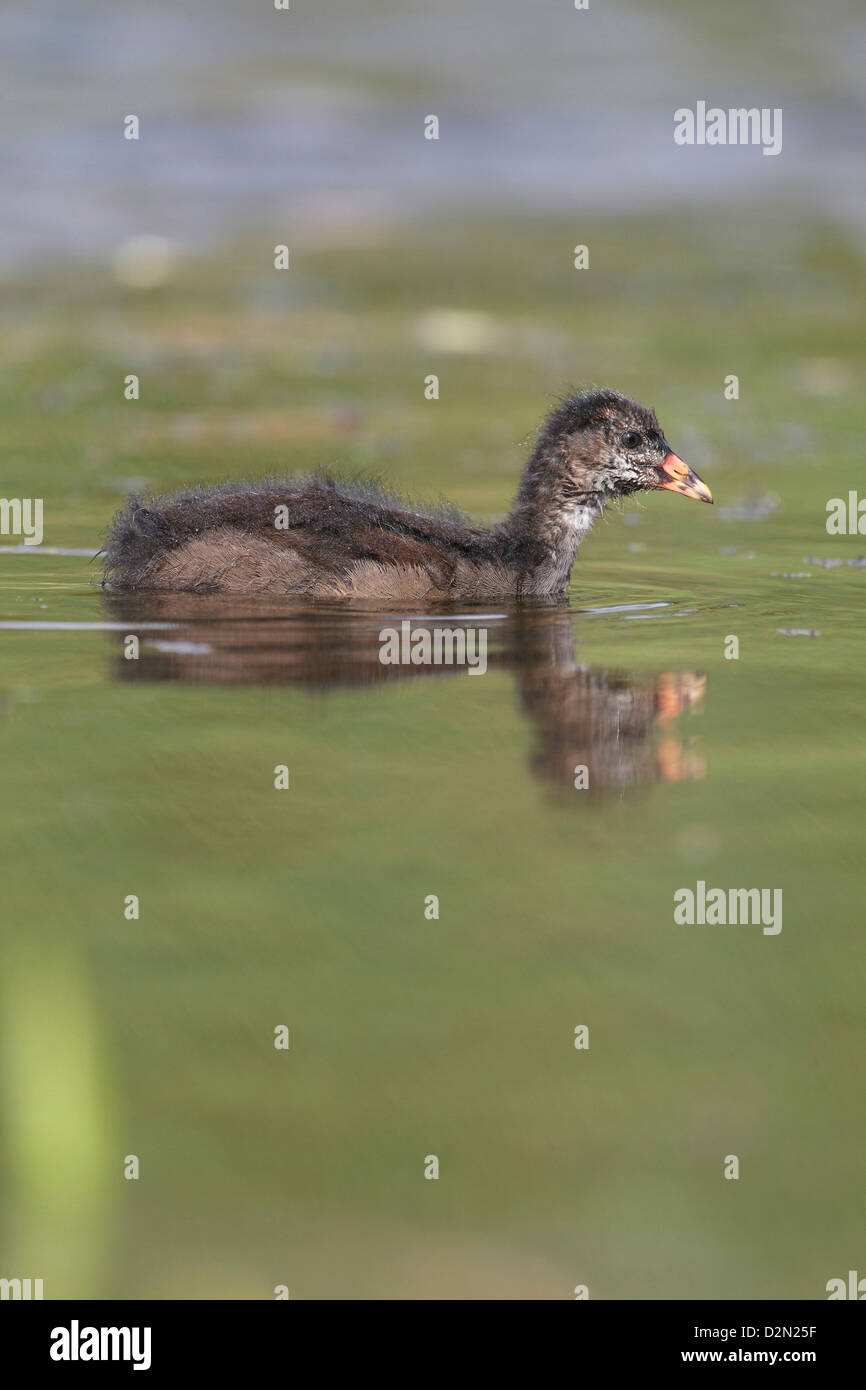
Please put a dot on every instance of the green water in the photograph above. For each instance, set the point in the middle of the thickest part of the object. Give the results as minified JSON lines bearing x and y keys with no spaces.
{"x":306,"y":906}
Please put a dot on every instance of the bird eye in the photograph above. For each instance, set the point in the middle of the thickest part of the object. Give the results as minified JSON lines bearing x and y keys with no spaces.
{"x":629,"y":439}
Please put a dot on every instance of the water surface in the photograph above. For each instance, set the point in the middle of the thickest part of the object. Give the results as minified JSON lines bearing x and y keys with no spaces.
{"x":412,"y":1036}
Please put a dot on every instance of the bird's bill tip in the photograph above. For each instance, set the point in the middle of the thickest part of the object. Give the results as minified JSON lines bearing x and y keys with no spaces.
{"x":678,"y":477}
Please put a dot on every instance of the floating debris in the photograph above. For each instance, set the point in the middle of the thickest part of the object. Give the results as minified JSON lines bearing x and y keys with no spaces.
{"x":466,"y":331}
{"x":143,"y":262}
{"x":182,"y":648}
{"x":84,"y":627}
{"x":825,"y":376}
{"x":751,"y":508}
{"x":45,"y":550}
{"x":625,"y":607}
{"x":697,"y":844}
{"x":858,"y":563}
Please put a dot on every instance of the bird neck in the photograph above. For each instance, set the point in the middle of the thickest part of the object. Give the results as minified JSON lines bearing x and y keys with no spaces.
{"x":550,"y":517}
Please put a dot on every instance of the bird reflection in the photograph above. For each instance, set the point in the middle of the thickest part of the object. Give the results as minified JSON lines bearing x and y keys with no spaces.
{"x":596,"y":729}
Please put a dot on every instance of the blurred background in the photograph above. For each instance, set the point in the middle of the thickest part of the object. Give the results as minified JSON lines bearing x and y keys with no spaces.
{"x":412,"y":257}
